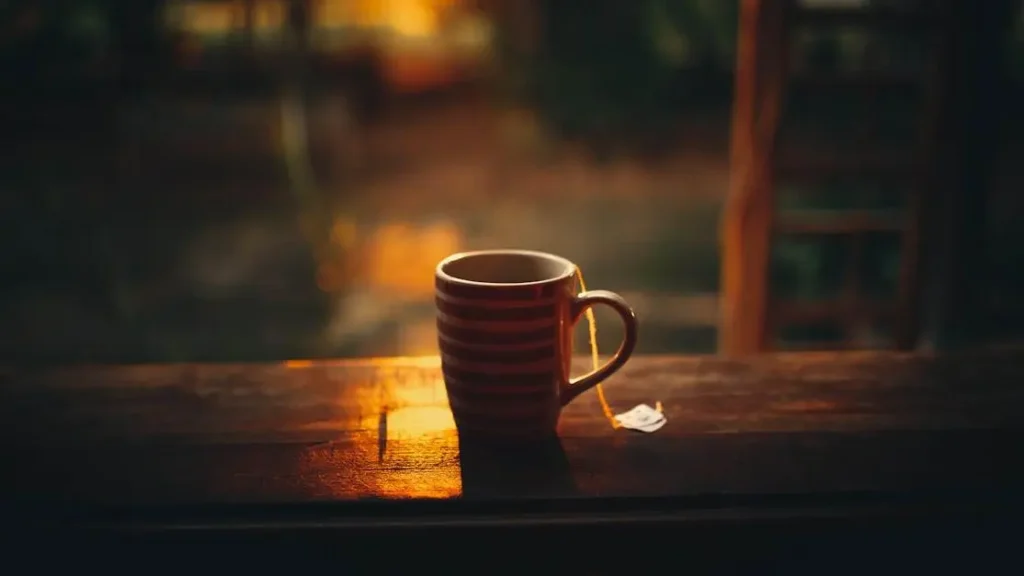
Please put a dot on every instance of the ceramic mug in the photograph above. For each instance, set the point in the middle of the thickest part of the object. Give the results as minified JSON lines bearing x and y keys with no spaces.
{"x":505,"y":322}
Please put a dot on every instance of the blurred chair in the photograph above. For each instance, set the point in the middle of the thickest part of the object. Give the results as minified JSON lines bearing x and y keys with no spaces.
{"x":941,"y":167}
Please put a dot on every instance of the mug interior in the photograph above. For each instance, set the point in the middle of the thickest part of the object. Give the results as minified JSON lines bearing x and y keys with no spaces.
{"x":506,"y":267}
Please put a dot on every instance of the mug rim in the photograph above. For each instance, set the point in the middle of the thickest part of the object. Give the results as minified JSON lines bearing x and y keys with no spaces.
{"x":570,"y":267}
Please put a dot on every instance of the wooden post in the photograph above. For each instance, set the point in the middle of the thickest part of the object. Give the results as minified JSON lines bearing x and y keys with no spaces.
{"x":747,"y":220}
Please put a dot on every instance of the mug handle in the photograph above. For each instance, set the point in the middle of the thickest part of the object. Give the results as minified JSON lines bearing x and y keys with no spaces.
{"x":580,"y":305}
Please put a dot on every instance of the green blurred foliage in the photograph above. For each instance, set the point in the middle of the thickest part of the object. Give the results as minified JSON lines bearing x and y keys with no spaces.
{"x":63,"y":39}
{"x":619,"y":71}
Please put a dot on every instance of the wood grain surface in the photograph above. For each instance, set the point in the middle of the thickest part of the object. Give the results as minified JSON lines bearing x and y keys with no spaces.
{"x":381,"y":429}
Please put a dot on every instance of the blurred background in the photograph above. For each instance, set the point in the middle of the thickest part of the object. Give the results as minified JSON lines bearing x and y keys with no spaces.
{"x":242,"y":180}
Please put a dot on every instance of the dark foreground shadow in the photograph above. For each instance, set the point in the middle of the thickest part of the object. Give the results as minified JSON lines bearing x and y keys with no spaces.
{"x":500,"y":470}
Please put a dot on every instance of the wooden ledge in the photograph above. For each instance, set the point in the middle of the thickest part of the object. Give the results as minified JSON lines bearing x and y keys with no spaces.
{"x":381,"y":428}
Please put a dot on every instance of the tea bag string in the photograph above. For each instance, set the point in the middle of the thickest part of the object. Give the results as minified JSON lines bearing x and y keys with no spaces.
{"x":596,"y":361}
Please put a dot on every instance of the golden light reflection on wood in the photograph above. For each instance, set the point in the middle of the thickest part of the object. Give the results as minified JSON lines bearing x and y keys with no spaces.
{"x":409,"y":483}
{"x":415,"y":421}
{"x":421,"y":392}
{"x":416,"y":431}
{"x":401,"y":433}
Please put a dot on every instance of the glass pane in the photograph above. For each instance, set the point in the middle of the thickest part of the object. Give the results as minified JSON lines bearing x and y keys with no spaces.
{"x":224,"y":207}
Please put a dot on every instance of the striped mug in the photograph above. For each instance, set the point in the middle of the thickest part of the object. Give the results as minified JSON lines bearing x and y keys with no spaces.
{"x":505,"y":322}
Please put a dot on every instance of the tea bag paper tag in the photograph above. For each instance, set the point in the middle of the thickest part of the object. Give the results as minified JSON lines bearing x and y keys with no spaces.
{"x":642,"y":418}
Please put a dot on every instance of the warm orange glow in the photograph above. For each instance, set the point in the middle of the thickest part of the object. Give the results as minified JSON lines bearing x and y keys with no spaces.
{"x":208,"y":17}
{"x":222,"y":17}
{"x":406,"y":430}
{"x":421,"y":65}
{"x":411,"y":73}
{"x":416,"y":18}
{"x":400,"y":257}
{"x":414,"y":409}
{"x":418,"y":421}
{"x":418,"y":338}
{"x":268,"y":15}
{"x":344,"y":233}
{"x":364,"y":13}
{"x":411,"y":18}
{"x":421,"y":393}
